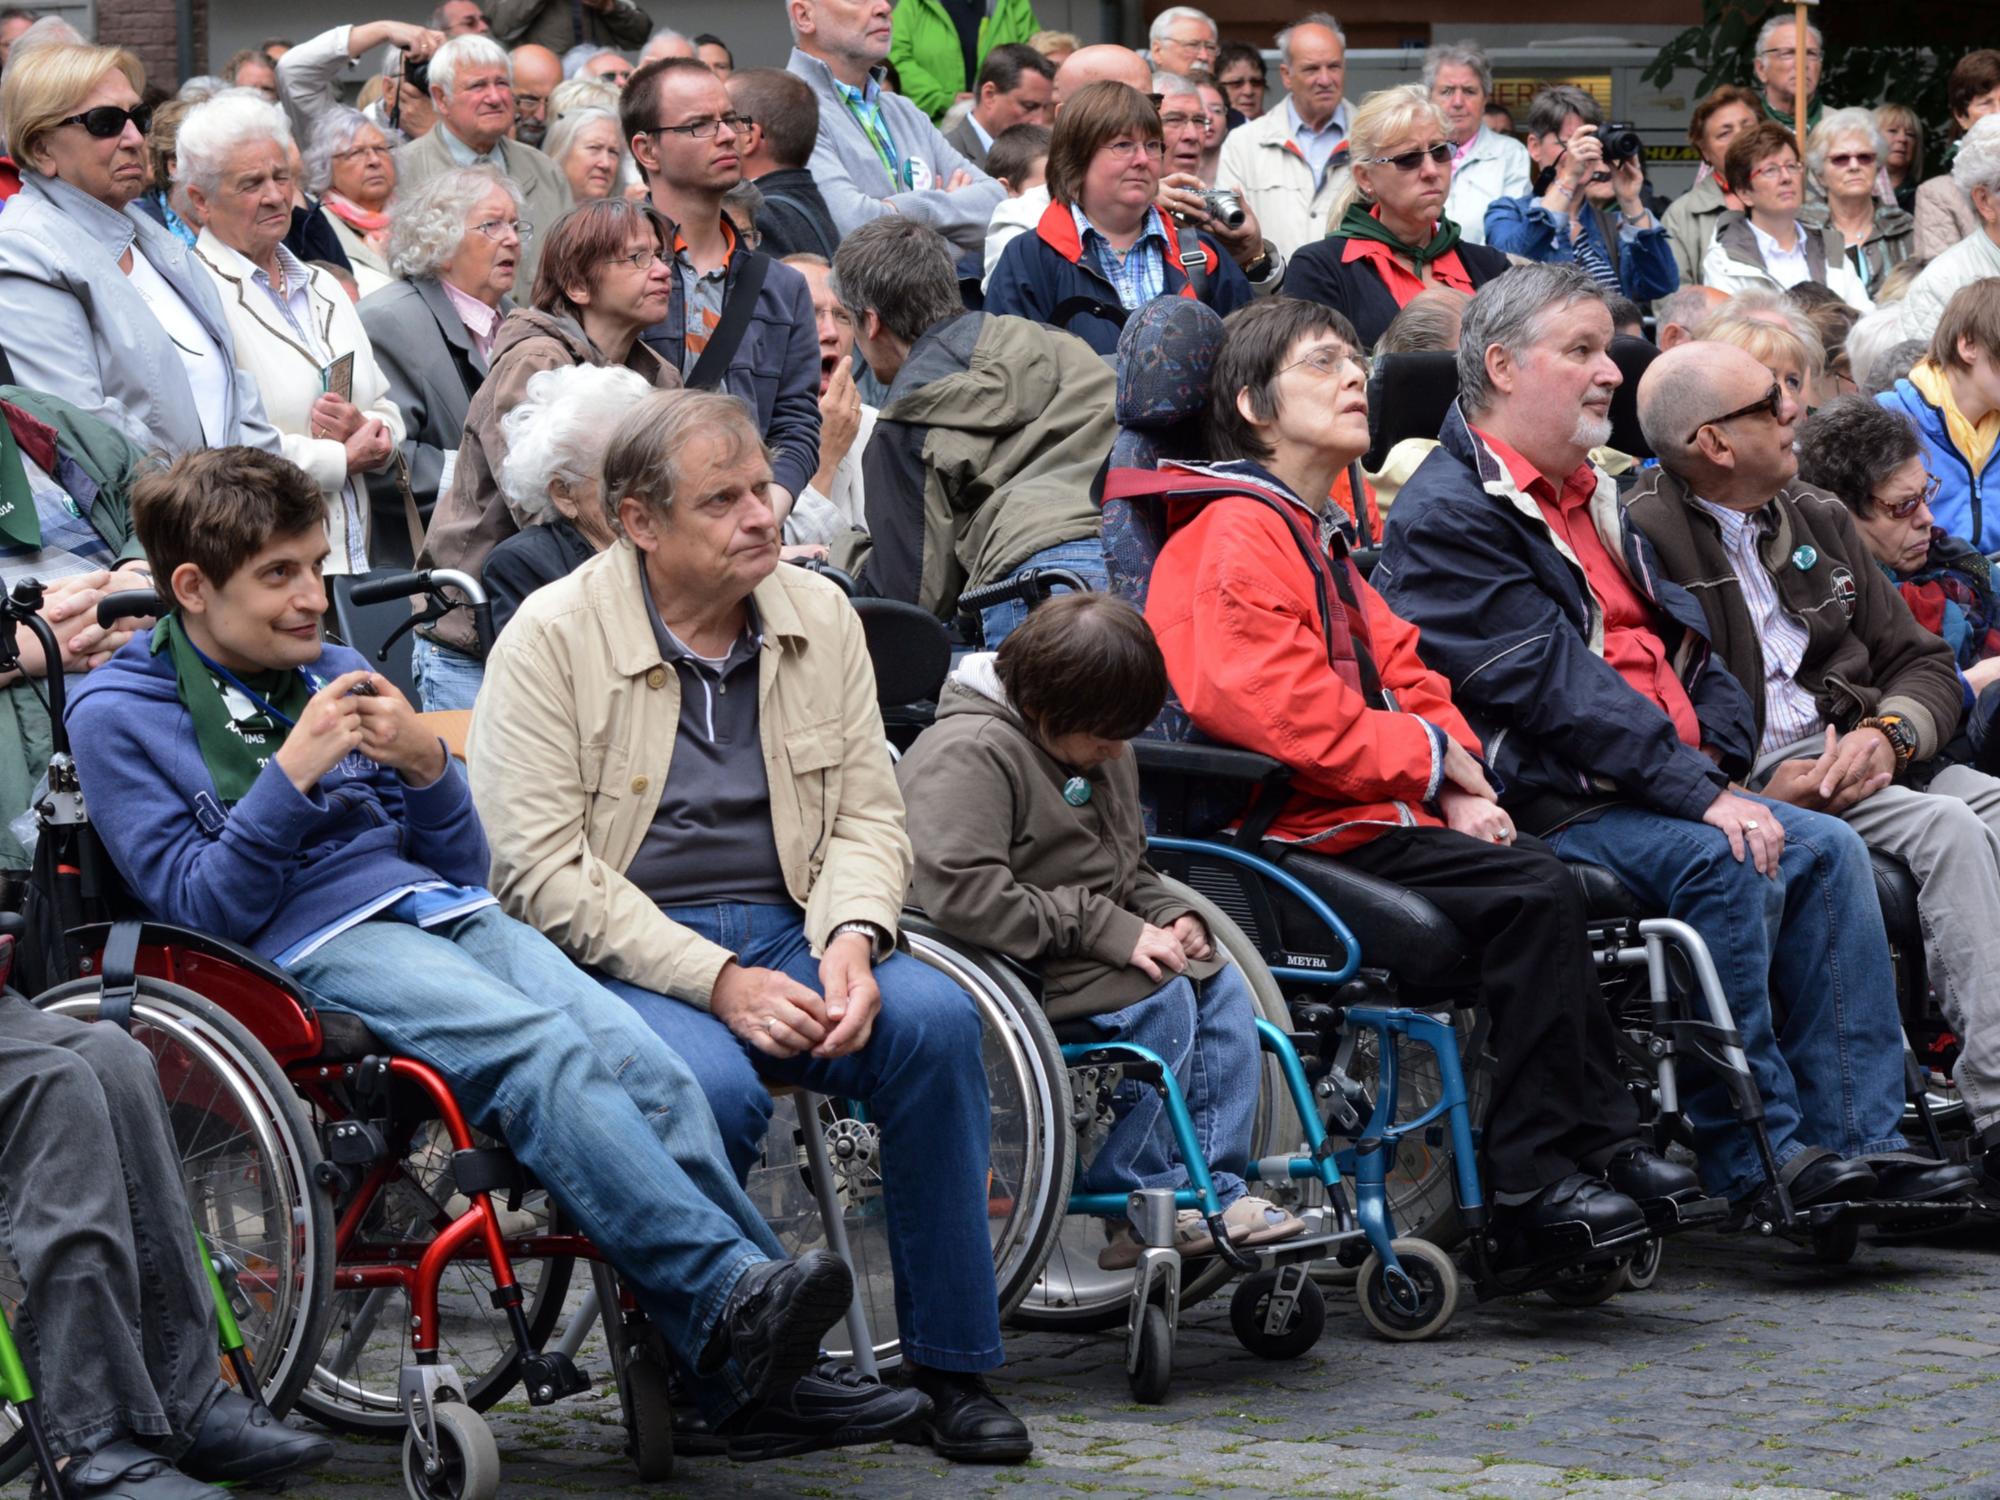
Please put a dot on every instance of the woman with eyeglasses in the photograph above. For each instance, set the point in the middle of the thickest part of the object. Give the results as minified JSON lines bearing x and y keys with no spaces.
{"x":296,"y":331}
{"x":106,"y":308}
{"x":456,"y":243}
{"x":351,"y":169}
{"x":1765,"y":246}
{"x":1390,"y":238}
{"x":606,"y":275}
{"x":1953,"y":397}
{"x":1103,"y":249}
{"x":1844,"y":154}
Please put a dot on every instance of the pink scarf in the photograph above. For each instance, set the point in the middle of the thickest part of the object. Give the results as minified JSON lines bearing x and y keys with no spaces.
{"x":372,"y":227}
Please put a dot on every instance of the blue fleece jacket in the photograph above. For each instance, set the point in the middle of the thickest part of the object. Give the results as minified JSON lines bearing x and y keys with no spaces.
{"x":278,"y":866}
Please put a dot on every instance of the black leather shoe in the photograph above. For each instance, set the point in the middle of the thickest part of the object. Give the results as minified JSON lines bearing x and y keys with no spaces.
{"x":968,"y":1424}
{"x":1566,"y":1220}
{"x":125,"y":1471}
{"x":1645,"y":1176}
{"x":832,"y":1407}
{"x":773,"y":1320}
{"x":1923,"y":1181}
{"x":240,"y":1442}
{"x":1814,"y":1177}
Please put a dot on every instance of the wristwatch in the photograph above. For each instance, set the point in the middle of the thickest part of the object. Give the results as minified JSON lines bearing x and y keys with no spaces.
{"x":879,"y":942}
{"x":1902,"y":738}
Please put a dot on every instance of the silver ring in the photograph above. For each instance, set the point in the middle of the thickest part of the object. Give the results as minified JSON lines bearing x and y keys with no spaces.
{"x":770,"y":1023}
{"x":1749,"y":825}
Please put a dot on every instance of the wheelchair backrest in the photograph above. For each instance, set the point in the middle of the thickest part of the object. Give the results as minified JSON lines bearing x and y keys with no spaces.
{"x":1632,"y":356}
{"x":1166,"y":356}
{"x":1409,"y":396}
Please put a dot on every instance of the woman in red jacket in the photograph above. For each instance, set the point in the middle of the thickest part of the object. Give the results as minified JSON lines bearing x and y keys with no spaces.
{"x":1275,"y":643}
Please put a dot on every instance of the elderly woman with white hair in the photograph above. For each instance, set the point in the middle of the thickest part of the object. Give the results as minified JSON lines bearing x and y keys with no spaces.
{"x":587,"y":145}
{"x":1976,"y":171}
{"x":1844,"y":155}
{"x":456,"y":244}
{"x":555,"y":457}
{"x":350,"y":168}
{"x":296,"y":332}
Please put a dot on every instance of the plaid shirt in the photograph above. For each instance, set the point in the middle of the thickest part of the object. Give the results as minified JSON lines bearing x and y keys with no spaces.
{"x":1140,"y":274}
{"x":1790,"y":713}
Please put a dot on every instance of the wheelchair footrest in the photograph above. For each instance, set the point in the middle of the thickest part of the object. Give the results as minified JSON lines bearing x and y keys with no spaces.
{"x":1305,"y":1247}
{"x":1665,"y":1216}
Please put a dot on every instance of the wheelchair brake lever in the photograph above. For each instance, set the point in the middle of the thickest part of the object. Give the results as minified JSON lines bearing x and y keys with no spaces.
{"x":438,"y":608}
{"x":1224,"y":1247}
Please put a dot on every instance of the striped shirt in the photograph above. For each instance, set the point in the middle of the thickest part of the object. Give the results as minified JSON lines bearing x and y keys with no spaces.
{"x":1790,"y":714}
{"x":1140,"y":274}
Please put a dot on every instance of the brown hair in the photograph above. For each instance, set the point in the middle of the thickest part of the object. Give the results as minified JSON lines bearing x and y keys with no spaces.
{"x":1084,"y":664}
{"x":243,"y":59}
{"x":1014,"y":152}
{"x":645,"y":454}
{"x":1974,"y":74}
{"x":161,"y":138}
{"x":1717,"y":100}
{"x":1255,"y":341}
{"x":1973,"y":313}
{"x":1750,"y":149}
{"x":1093,"y":116}
{"x":639,"y":105}
{"x":219,"y":507}
{"x":583,"y":240}
{"x":783,"y":106}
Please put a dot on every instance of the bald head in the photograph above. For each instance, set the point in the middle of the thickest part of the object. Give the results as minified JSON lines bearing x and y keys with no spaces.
{"x":1101,"y":64}
{"x":537,"y":70}
{"x":1684,"y":397}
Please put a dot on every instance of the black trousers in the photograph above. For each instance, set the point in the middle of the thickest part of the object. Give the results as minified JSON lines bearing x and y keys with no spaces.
{"x":1558,"y":1106}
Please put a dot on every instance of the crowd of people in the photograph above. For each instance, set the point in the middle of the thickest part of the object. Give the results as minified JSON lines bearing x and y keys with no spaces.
{"x":1693,"y":582}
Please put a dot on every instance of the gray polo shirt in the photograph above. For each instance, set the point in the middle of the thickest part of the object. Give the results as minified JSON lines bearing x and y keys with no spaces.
{"x":710,"y":841}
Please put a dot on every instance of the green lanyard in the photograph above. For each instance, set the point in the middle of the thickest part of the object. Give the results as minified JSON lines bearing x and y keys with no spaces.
{"x":884,"y":144}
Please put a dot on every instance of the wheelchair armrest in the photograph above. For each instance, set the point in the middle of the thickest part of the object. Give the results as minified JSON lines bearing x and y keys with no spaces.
{"x":1179,"y":758}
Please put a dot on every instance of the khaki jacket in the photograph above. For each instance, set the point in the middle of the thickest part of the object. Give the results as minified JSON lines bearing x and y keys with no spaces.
{"x":575,"y":732}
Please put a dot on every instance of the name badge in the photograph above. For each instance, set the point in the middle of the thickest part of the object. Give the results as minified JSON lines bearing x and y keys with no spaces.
{"x":920,"y":174}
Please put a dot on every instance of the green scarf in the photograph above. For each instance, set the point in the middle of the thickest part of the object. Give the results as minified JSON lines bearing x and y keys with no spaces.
{"x":237,"y":737}
{"x":1358,"y":223}
{"x":18,"y":522}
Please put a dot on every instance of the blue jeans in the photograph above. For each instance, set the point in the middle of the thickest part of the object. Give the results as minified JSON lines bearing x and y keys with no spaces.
{"x":1210,"y":1041}
{"x":1804,"y":963}
{"x":1084,"y":558}
{"x":610,"y":1121}
{"x":446,"y":678}
{"x":923,"y":1081}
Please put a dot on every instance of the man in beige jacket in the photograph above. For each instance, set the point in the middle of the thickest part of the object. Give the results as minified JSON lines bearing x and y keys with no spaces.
{"x":680,"y":759}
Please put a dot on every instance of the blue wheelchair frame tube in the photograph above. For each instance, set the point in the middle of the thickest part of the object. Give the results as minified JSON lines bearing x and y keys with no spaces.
{"x":1113,"y":1205}
{"x":1305,"y":894}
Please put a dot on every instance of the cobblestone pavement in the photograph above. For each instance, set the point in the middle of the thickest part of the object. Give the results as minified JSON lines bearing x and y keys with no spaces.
{"x":1748,"y":1369}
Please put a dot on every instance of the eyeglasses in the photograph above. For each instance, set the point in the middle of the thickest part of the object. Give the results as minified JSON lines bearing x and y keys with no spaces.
{"x":1410,"y":161}
{"x":1852,"y":159}
{"x":1902,"y":510}
{"x":107,"y":121}
{"x":1772,"y":401}
{"x":638,"y":260}
{"x":1209,"y":48}
{"x":354,"y":151}
{"x":1182,"y":122}
{"x":1326,"y":359}
{"x":1125,"y":150}
{"x":1791,"y":54}
{"x":493,"y":229}
{"x":705,"y":129}
{"x":1779,"y":171}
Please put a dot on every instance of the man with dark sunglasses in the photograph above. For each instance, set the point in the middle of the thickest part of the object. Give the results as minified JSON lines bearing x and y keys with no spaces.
{"x":1856,"y":701}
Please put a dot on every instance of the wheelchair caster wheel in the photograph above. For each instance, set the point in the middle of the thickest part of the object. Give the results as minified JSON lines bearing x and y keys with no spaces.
{"x":1834,"y":1243}
{"x":1644,"y":1268}
{"x":1299,"y":1330}
{"x":468,"y":1460}
{"x":1152,"y":1371}
{"x":649,"y":1419}
{"x":1432,"y":1278}
{"x":1588,"y":1286}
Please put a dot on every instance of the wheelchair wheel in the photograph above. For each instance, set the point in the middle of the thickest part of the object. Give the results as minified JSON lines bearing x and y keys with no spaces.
{"x":1072,"y":1294}
{"x":1032,"y":1152}
{"x":469,"y":1459}
{"x":1249,"y":1311}
{"x":247,"y":1160}
{"x":1152,"y":1375}
{"x":354,"y":1385}
{"x":1436,"y":1279}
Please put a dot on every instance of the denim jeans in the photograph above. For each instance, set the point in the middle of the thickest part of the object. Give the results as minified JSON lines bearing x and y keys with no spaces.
{"x":1804,"y":963}
{"x":609,"y":1120}
{"x":1208,"y":1036}
{"x":446,"y":678}
{"x":1084,"y":558}
{"x":118,"y":1327}
{"x":924,"y":1084}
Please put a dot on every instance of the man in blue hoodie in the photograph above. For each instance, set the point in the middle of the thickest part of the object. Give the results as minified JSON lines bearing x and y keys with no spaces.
{"x":252,"y":781}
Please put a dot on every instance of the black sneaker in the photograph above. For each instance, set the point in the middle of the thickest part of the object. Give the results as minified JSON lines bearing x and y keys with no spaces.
{"x":968,"y":1424}
{"x":833,"y":1406}
{"x":773,"y":1320}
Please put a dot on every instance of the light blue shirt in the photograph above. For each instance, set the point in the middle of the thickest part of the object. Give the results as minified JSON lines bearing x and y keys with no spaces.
{"x":465,"y":156}
{"x":292,"y":303}
{"x":1318,"y":145}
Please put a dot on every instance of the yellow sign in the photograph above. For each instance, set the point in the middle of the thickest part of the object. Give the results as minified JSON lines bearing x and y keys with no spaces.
{"x":1516,"y":93}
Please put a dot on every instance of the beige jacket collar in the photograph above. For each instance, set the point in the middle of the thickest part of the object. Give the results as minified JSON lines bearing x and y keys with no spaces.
{"x":621,"y":605}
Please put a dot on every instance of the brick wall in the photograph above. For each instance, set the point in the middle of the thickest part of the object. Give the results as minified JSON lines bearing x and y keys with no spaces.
{"x":150,"y":28}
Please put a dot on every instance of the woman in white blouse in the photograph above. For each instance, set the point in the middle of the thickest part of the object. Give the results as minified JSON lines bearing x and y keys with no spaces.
{"x":296,"y":331}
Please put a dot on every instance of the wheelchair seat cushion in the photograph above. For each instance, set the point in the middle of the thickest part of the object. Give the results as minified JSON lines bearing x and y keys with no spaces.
{"x":347,"y":1039}
{"x":1398,"y":930}
{"x":1604,"y":894}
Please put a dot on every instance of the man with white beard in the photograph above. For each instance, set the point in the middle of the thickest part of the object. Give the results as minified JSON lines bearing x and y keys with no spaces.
{"x":1616,"y":733}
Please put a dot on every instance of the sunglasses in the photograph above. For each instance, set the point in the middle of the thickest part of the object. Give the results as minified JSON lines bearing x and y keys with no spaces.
{"x":107,"y":121}
{"x":1902,"y":510}
{"x":1410,"y":161}
{"x":1853,"y":159}
{"x":1772,"y":401}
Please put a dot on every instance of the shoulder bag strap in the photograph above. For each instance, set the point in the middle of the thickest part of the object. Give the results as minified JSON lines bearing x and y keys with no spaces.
{"x":735,"y":321}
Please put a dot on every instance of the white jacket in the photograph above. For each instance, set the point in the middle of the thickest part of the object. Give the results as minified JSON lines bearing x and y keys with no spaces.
{"x":1260,"y":162}
{"x":1496,"y":166}
{"x":1013,"y":217}
{"x":1733,"y":264}
{"x":288,"y":375}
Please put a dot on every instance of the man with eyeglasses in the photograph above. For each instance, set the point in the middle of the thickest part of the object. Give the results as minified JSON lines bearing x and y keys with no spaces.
{"x":1289,"y":165}
{"x":1244,"y":81}
{"x":1620,"y":736}
{"x":688,"y":140}
{"x":1857,"y":702}
{"x":536,"y":73}
{"x":1776,"y":68}
{"x":472,"y":85}
{"x":1182,"y":40}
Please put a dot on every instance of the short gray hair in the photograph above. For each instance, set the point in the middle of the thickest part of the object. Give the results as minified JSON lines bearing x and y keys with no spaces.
{"x":1283,"y":41}
{"x":1555,"y":104}
{"x":1837,"y":123}
{"x":1172,"y":16}
{"x":560,"y":430}
{"x":217,"y":127}
{"x":1170,"y":85}
{"x":1891,"y":365}
{"x":1466,"y":54}
{"x":578,"y":57}
{"x":1428,"y":324}
{"x":904,"y":272}
{"x":644,"y":455}
{"x":475,"y":50}
{"x":334,"y":133}
{"x":1509,"y":311}
{"x":574,"y":94}
{"x":1785,"y":21}
{"x":665,"y":36}
{"x":562,"y":135}
{"x":1978,"y":161}
{"x":427,"y":222}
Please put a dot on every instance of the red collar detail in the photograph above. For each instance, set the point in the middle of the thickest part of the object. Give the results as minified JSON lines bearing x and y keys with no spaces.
{"x":37,"y":439}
